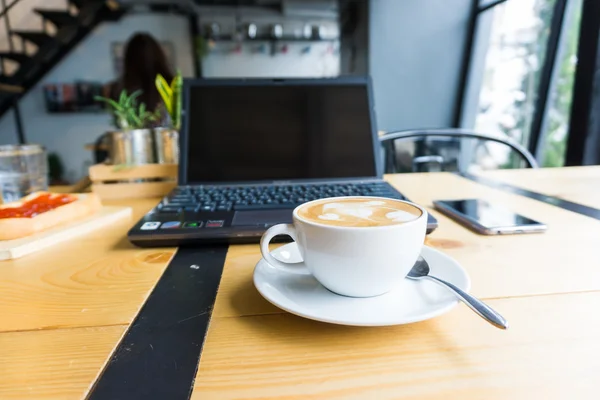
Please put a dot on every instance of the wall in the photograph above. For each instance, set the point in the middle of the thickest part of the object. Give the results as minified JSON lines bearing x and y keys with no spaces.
{"x":321,"y":61}
{"x":415,"y":53}
{"x":314,"y":59}
{"x":67,"y":134}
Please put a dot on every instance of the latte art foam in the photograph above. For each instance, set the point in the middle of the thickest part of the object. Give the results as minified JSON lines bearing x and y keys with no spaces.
{"x":359,"y":212}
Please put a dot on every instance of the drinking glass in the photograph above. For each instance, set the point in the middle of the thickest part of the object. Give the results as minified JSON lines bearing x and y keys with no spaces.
{"x":23,"y":170}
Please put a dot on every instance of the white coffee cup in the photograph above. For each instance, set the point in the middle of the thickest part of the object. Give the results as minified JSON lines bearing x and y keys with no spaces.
{"x":352,"y":261}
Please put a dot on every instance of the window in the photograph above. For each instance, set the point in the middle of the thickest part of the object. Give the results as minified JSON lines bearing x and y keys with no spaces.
{"x":521,"y":49}
{"x":559,"y":112}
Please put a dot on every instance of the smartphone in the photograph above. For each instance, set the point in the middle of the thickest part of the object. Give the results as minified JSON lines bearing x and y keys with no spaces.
{"x":486,"y":218}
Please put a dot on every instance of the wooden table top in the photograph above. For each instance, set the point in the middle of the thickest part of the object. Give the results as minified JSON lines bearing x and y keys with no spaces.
{"x":64,"y":309}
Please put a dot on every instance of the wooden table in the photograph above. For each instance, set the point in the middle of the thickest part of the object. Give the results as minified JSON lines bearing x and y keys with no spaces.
{"x":63,"y":311}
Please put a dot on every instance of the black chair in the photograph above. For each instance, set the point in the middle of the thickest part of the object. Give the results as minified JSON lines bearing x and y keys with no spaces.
{"x":457,"y":150}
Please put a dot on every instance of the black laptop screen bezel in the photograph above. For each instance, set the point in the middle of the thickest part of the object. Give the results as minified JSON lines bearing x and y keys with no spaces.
{"x":190,"y":84}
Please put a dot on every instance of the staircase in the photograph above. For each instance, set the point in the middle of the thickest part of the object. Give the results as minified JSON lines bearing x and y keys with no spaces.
{"x":21,"y":68}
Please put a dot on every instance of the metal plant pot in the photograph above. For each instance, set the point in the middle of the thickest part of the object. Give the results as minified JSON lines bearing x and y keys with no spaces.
{"x":167,"y":145}
{"x":132,"y":147}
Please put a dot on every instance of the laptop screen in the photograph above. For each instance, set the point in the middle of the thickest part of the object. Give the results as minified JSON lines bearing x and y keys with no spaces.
{"x":251,"y":131}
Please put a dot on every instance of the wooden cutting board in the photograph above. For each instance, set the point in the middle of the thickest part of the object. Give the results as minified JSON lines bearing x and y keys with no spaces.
{"x":11,"y":249}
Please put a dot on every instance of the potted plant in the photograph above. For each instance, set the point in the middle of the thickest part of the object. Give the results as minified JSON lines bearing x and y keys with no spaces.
{"x":133,"y":142}
{"x":167,"y":137}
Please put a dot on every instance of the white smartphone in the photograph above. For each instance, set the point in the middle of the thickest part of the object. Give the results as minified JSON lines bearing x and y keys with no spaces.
{"x":486,"y":218}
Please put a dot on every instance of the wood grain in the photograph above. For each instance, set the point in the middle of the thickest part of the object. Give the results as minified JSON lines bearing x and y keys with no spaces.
{"x":139,"y":207}
{"x":126,"y":191}
{"x":16,"y":248}
{"x":96,"y":279}
{"x":103,"y":172}
{"x":551,"y":351}
{"x":54,"y":364}
{"x":255,"y":350}
{"x":237,"y":295}
{"x":511,"y":265}
{"x":578,"y":184}
{"x":499,"y":266}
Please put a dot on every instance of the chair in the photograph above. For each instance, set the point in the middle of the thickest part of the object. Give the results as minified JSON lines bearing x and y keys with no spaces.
{"x":458,"y":150}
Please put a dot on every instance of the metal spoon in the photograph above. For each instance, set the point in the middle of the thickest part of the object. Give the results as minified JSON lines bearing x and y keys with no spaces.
{"x":421,"y":271}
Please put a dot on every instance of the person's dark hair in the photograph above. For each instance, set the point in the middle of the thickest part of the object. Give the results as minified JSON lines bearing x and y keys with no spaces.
{"x":144,"y":59}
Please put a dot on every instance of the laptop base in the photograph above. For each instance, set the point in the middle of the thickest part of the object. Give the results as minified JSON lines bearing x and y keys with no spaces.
{"x":196,"y":227}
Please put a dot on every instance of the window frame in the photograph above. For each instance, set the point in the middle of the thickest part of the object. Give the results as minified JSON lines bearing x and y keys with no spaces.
{"x":468,"y":94}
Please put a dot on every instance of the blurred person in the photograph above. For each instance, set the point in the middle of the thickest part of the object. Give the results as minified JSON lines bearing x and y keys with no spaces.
{"x":143,"y":60}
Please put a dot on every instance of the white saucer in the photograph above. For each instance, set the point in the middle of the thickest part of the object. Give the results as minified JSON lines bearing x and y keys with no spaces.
{"x":411,"y":301}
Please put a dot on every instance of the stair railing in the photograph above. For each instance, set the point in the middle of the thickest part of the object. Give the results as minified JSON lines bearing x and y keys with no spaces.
{"x":8,"y":88}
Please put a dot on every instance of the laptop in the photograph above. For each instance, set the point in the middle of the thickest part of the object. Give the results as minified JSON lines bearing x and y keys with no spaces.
{"x":254,"y":149}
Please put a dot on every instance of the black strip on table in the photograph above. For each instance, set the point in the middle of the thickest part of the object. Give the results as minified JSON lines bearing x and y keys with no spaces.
{"x":158,"y":356}
{"x":555,"y":201}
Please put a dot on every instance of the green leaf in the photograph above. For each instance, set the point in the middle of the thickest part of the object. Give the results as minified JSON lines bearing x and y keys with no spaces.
{"x":130,"y":101}
{"x":114,"y":104}
{"x":109,"y":102}
{"x":123,"y":96}
{"x":165,"y":91}
{"x":136,"y":121}
{"x":135,"y":94}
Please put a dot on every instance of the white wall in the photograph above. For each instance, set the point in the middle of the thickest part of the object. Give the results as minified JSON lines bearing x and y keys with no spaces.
{"x":91,"y":60}
{"x":415,"y":53}
{"x":322,"y":60}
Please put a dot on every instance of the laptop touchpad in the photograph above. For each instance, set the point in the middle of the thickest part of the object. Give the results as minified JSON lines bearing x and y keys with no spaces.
{"x":262,"y":217}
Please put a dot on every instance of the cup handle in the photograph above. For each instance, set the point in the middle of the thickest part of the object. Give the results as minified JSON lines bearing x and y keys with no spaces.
{"x":281,"y":229}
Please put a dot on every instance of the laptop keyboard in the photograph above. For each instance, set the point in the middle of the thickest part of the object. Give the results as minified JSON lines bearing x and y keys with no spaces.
{"x":237,"y":198}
